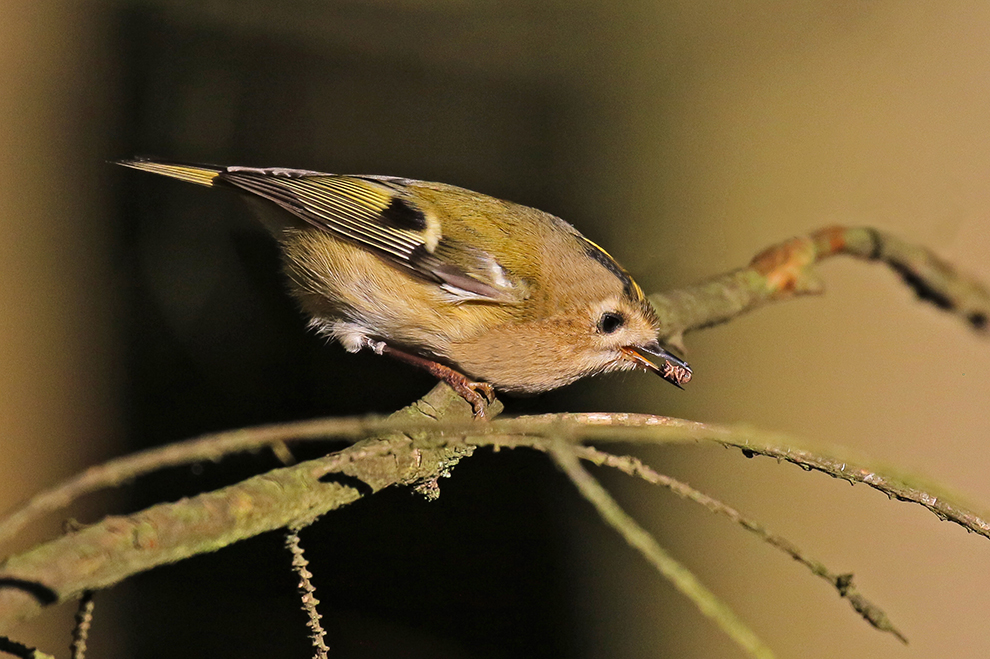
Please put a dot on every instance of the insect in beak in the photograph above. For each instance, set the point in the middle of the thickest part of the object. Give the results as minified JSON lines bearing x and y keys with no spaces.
{"x":672,"y":369}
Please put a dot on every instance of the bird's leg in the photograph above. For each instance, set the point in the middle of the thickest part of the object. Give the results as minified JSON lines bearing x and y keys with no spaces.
{"x":477,"y":394}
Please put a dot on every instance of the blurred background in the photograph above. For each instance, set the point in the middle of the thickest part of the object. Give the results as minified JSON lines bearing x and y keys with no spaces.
{"x":682,"y":136}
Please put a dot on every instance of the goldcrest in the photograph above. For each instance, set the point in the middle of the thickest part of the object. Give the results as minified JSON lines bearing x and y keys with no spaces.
{"x":480,"y":292}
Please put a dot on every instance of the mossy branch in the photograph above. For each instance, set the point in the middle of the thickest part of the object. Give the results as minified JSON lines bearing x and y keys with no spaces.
{"x":423,"y":442}
{"x":787,"y":269}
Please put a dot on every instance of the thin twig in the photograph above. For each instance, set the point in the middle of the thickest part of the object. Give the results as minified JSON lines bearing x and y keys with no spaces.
{"x":309,"y":602}
{"x":835,"y":461}
{"x":63,"y":568}
{"x":841,"y":582}
{"x":212,"y":447}
{"x":115,"y":548}
{"x":787,"y":269}
{"x":641,"y":540}
{"x":521,"y":431}
{"x":84,"y":619}
{"x":294,"y":496}
{"x":281,"y":451}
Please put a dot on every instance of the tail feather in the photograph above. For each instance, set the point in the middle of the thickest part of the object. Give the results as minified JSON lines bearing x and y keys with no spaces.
{"x":199,"y":174}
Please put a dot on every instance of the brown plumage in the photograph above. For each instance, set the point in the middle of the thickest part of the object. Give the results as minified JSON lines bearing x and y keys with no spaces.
{"x":458,"y":282}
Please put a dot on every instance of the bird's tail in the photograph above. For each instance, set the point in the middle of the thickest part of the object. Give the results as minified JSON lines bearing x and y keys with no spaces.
{"x":199,"y":174}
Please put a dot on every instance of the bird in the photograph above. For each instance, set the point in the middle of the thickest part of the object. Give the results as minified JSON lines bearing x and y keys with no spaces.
{"x":485,"y":294}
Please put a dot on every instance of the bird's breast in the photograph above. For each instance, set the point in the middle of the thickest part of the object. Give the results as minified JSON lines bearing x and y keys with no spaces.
{"x":338,"y":282}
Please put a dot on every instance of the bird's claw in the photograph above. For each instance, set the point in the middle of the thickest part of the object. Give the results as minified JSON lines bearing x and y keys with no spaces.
{"x":478,"y":394}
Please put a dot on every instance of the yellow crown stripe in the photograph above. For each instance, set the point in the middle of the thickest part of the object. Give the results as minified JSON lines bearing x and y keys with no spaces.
{"x":598,"y":253}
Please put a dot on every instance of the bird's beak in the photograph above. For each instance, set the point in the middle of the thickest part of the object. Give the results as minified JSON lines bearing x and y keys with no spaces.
{"x":670,"y":368}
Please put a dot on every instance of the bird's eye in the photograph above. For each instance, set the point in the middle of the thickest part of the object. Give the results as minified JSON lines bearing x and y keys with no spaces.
{"x":610,"y":322}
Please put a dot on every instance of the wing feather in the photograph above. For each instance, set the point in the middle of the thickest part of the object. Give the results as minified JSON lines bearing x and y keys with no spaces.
{"x":345,"y":206}
{"x":374,"y":212}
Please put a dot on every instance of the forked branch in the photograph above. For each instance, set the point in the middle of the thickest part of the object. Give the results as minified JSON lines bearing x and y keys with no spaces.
{"x":423,"y":442}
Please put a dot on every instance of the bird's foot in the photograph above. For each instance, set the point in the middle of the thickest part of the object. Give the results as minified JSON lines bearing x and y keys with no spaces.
{"x":479,"y":395}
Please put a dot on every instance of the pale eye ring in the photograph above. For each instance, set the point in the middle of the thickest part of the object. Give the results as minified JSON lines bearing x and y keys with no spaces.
{"x":610,"y":322}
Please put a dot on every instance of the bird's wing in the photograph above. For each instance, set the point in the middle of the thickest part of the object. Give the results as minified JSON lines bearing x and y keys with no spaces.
{"x":375,"y":213}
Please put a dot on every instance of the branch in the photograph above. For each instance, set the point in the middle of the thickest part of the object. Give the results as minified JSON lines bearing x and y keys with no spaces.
{"x":98,"y":556}
{"x":308,"y":592}
{"x":836,"y":461}
{"x":777,"y":273}
{"x":117,"y":547}
{"x":640,"y":539}
{"x":787,"y":270}
{"x":422,"y":442}
{"x":841,"y":582}
{"x":215,"y":446}
{"x":84,"y":619}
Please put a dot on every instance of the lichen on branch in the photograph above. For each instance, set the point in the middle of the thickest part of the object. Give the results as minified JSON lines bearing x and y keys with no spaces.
{"x":423,"y":442}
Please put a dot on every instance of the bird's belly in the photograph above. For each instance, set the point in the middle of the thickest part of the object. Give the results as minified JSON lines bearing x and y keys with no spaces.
{"x":352,"y":295}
